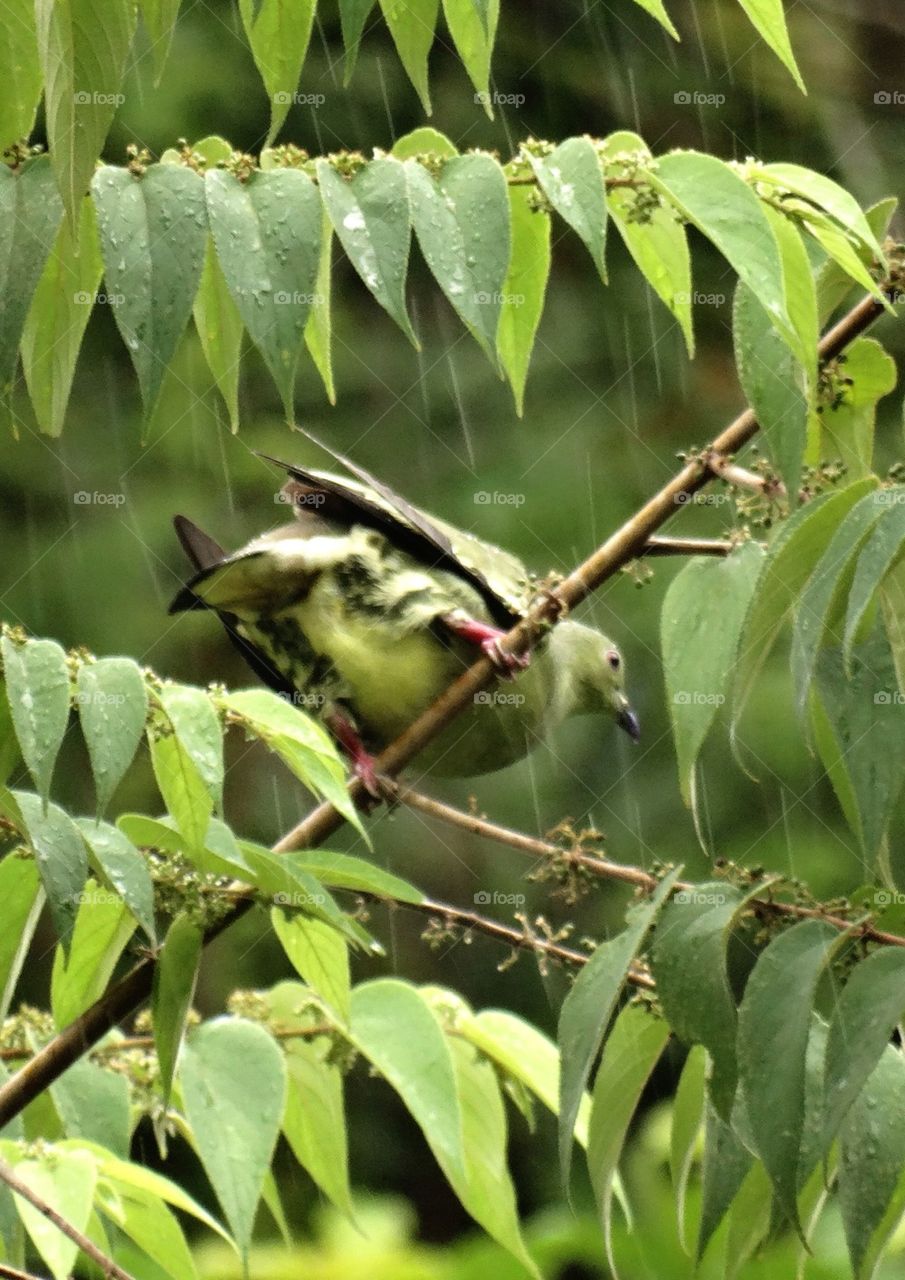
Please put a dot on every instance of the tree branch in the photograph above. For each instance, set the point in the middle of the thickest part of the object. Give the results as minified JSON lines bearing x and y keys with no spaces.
{"x":626,"y":544}
{"x":688,"y":547}
{"x":90,"y":1250}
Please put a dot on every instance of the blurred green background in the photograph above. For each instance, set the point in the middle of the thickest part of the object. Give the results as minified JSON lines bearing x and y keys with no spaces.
{"x":611,"y":398}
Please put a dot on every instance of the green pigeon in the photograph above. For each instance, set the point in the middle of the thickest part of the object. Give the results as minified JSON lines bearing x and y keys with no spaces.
{"x":364,"y":609}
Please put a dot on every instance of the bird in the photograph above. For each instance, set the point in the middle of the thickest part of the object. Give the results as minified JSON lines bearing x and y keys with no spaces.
{"x":364,"y":608}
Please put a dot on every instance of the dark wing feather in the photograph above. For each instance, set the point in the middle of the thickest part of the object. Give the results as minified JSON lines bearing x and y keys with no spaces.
{"x":203,"y":551}
{"x":412,"y":531}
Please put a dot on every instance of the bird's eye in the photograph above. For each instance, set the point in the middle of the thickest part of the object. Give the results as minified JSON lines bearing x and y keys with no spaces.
{"x":613,"y":659}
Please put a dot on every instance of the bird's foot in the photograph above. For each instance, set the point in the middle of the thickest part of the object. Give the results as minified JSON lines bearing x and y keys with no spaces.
{"x":374,"y":787}
{"x":488,"y":639}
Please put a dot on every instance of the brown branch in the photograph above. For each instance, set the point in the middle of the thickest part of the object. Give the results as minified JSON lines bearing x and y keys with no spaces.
{"x":13,"y":1273}
{"x":741,"y":477}
{"x":90,"y":1250}
{"x":624,"y":545}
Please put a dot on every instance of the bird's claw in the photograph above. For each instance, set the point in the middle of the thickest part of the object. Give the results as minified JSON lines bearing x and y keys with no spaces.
{"x":507,"y":664}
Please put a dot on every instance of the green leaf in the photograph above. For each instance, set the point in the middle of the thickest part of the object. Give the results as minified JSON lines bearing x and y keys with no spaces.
{"x":689,"y":964}
{"x":773,"y":1026}
{"x":749,"y":1219}
{"x":700,"y":628}
{"x":485,"y":1188}
{"x":718,"y":201}
{"x":228,"y":1064}
{"x":657,"y":242}
{"x":113,"y":705}
{"x":175,"y":977}
{"x":37,"y":685}
{"x":319,"y":326}
{"x":184,"y":791}
{"x":770,"y":22}
{"x":871,"y":1158}
{"x":319,"y":954}
{"x":145,"y":1219}
{"x":123,"y":868}
{"x":829,"y":584}
{"x":423,"y":141}
{"x":412,"y":24}
{"x":865,"y":1015}
{"x":279,"y":32}
{"x":395,"y":1029}
{"x":103,"y":927}
{"x":656,"y":10}
{"x":345,"y":871}
{"x":279,"y":878}
{"x":133,"y":1179}
{"x":83,"y":46}
{"x":299,"y":741}
{"x":687,"y":1120}
{"x":587,"y":1009}
{"x":94,"y":1104}
{"x":880,"y":553}
{"x":30,"y":213}
{"x":20,"y":73}
{"x":473,"y":34}
{"x":371,"y":216}
{"x":462,"y":223}
{"x":353,"y":15}
{"x":220,"y":331}
{"x":847,"y":430}
{"x":268,"y":236}
{"x":525,"y":1054}
{"x":892,"y":605}
{"x":61,"y":857}
{"x":572,"y":180}
{"x":725,"y":1165}
{"x":160,"y":18}
{"x":314,"y":1120}
{"x":22,"y":898}
{"x":197,"y":726}
{"x":868,"y":728}
{"x":794,"y":552}
{"x":823,"y":192}
{"x":65,"y":1180}
{"x":524,"y":289}
{"x":59,"y":313}
{"x":630,"y":1055}
{"x":153,"y":235}
{"x":833,"y":284}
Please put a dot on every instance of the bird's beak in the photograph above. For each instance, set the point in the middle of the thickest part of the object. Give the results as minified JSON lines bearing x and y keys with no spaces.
{"x":628,"y":720}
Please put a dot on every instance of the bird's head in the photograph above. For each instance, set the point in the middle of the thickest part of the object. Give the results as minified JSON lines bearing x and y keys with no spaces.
{"x":597,"y":671}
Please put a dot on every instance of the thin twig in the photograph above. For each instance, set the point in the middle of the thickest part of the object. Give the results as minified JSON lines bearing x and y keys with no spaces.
{"x":608,"y":870}
{"x":742,"y":478}
{"x":13,"y":1273}
{"x":688,"y":547}
{"x":90,"y":1250}
{"x":625,"y":545}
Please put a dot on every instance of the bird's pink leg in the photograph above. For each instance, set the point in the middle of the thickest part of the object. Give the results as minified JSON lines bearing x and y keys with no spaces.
{"x":487,"y":639}
{"x":343,"y":729}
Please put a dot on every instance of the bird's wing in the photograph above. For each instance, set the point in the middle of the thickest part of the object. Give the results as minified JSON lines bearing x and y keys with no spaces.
{"x":205,"y":553}
{"x":500,"y":577}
